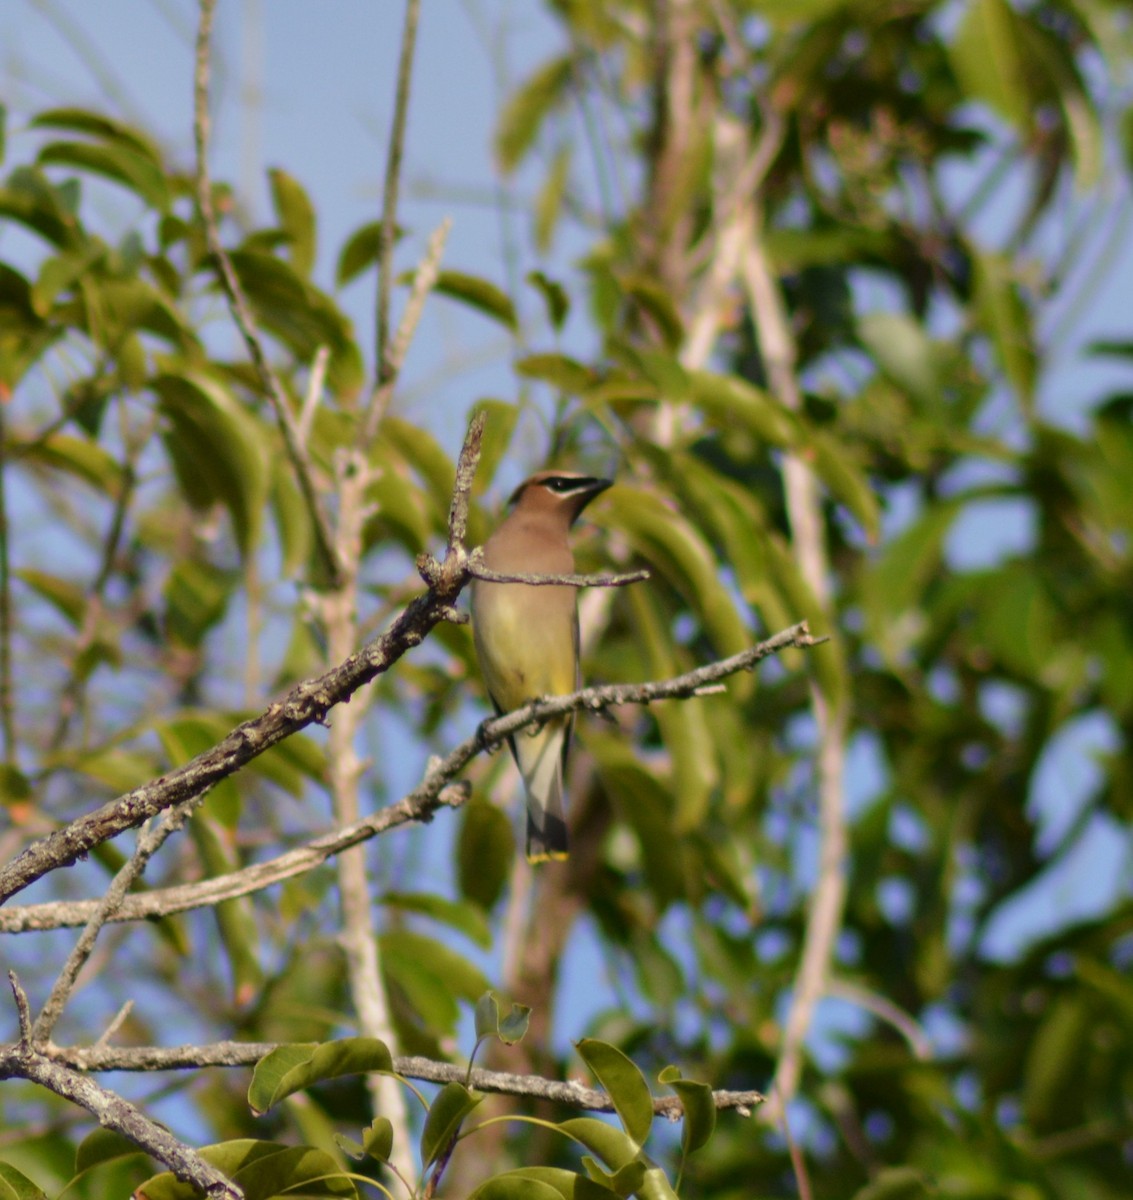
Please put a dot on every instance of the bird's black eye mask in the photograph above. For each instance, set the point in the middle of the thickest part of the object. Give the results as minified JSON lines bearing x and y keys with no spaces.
{"x":563,"y":485}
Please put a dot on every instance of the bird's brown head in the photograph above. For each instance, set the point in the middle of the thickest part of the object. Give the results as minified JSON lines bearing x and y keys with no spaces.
{"x":561,"y":494}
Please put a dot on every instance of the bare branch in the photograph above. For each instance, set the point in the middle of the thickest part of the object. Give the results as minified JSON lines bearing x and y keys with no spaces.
{"x":243,"y":1054}
{"x":424,"y":279}
{"x":392,"y":181}
{"x":22,"y":1061}
{"x":149,"y":842}
{"x":433,"y":792}
{"x":477,"y":569}
{"x":238,"y":303}
{"x":307,"y":703}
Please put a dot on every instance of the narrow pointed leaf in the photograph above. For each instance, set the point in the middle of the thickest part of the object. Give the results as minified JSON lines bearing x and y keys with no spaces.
{"x":480,"y":294}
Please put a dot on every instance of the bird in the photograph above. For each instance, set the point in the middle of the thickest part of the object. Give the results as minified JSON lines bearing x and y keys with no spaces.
{"x":526,"y":638}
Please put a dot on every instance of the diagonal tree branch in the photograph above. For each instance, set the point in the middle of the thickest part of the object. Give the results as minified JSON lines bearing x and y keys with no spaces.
{"x":306,"y":704}
{"x":149,"y":842}
{"x":435,"y":791}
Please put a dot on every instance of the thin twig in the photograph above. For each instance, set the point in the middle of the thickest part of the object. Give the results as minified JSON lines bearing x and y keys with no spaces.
{"x":149,"y":842}
{"x":314,"y":393}
{"x":238,"y":303}
{"x":424,"y":279}
{"x":385,"y":369}
{"x":479,"y":571}
{"x":435,"y":791}
{"x":243,"y":1054}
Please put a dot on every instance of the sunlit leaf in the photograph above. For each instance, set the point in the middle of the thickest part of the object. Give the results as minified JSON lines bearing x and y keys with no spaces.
{"x":14,"y":1185}
{"x":297,"y":216}
{"x":120,"y":163}
{"x":528,"y":108}
{"x":291,"y":1068}
{"x":480,"y":294}
{"x":625,"y":1085}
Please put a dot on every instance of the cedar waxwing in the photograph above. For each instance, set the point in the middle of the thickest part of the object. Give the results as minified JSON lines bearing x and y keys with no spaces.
{"x":527,"y":638}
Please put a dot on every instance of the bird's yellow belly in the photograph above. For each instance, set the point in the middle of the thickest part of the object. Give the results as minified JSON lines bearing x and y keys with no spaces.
{"x":523,"y":657}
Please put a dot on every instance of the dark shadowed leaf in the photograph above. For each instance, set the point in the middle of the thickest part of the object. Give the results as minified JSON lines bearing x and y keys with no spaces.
{"x":446,"y":1115}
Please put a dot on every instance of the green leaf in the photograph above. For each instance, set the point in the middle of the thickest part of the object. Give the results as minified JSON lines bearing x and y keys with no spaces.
{"x":987,"y":55}
{"x":611,"y":1145}
{"x":80,"y":120}
{"x":480,"y":294}
{"x":528,"y":108}
{"x":1005,"y":318}
{"x":905,"y":354}
{"x":65,"y":597}
{"x":103,"y":1145}
{"x":894,"y":583}
{"x":521,"y":1185}
{"x":14,"y":1185}
{"x":239,"y":934}
{"x":624,"y":1084}
{"x":727,"y":399}
{"x":360,"y":251}
{"x":196,"y":596}
{"x":658,"y":304}
{"x":297,"y":216}
{"x":896,"y":1183}
{"x":137,"y":172}
{"x":454,"y":913}
{"x":446,"y":1115}
{"x":1055,"y":1058}
{"x":509,"y":1029}
{"x":85,"y":460}
{"x":301,"y":316}
{"x":622,"y":1183}
{"x":699,"y":1120}
{"x":263,"y":1170}
{"x":462,"y":978}
{"x":566,"y":374}
{"x":499,"y":426}
{"x":837,"y":470}
{"x":218,"y":450}
{"x":664,"y":538}
{"x":484,"y":851}
{"x":377,"y":1138}
{"x":289,"y":1069}
{"x":549,"y":200}
{"x":36,"y":203}
{"x":554,"y":297}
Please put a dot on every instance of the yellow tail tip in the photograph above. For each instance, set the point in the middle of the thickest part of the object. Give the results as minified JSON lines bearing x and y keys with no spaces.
{"x":542,"y":856}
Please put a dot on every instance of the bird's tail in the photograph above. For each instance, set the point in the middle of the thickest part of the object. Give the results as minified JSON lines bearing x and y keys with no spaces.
{"x":541,"y":764}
